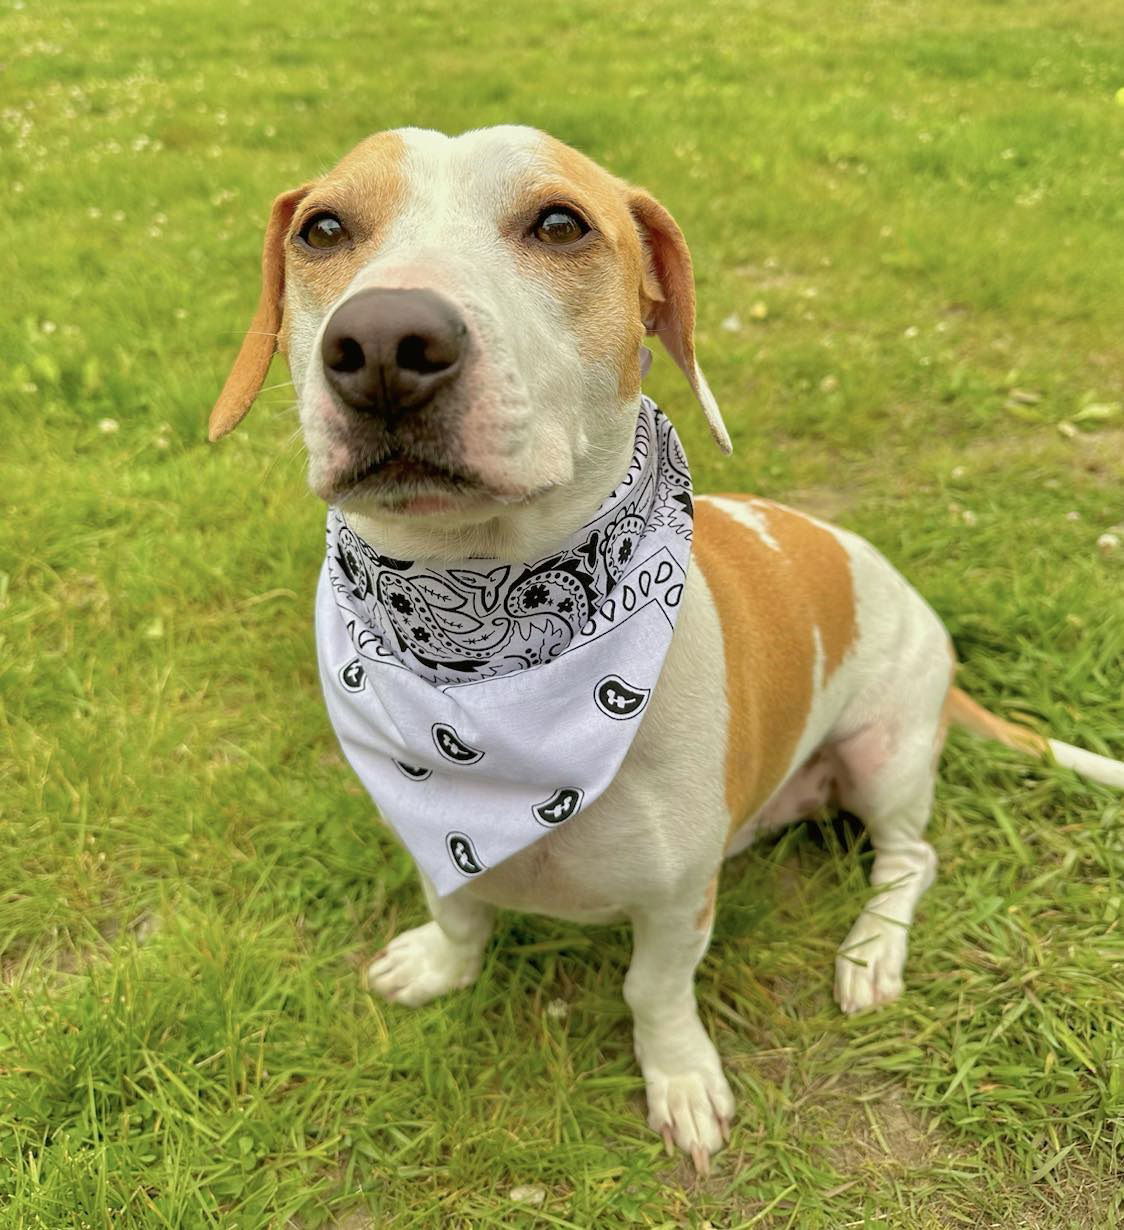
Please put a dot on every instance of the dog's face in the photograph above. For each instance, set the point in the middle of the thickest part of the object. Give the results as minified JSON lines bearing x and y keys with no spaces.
{"x":464,"y":318}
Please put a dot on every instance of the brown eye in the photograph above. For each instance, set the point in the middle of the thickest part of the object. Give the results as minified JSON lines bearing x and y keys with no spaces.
{"x":323,"y":231}
{"x":558,"y":227}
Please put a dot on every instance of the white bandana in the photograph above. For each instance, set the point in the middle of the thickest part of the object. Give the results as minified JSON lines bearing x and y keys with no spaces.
{"x":482,"y":704}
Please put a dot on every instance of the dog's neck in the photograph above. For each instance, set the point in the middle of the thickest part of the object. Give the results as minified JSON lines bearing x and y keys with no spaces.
{"x":509,"y":533}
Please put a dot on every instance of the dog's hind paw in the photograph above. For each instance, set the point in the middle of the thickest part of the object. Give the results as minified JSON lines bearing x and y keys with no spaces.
{"x":421,"y":964}
{"x":868,"y":969}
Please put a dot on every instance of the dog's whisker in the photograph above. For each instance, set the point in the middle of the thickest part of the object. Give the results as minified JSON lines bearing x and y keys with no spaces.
{"x":292,"y":447}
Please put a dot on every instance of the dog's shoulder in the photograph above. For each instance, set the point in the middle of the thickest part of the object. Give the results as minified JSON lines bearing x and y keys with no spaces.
{"x":782,"y":585}
{"x":770,"y":564}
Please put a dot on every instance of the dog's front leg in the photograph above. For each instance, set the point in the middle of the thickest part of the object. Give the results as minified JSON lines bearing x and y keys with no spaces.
{"x":439,"y":956}
{"x":689,"y":1101}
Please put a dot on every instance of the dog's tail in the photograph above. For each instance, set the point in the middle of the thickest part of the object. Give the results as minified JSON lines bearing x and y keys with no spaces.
{"x":962,"y":710}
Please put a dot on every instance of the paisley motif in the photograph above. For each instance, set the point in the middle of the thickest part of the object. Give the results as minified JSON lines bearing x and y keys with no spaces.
{"x":349,"y":557}
{"x":620,"y":543}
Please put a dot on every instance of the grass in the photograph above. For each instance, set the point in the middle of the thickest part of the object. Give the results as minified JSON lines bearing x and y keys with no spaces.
{"x":906,"y":220}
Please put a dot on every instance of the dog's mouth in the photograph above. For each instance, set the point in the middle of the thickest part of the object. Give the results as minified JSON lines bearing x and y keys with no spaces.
{"x":400,"y":482}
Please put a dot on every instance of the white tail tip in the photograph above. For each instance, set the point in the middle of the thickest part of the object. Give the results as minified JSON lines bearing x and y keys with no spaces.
{"x":1089,"y":764}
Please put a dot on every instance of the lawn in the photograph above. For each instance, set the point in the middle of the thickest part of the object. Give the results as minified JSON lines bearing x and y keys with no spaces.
{"x":907,"y":221}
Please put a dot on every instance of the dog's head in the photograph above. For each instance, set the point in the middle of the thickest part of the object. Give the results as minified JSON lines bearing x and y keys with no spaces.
{"x":464,"y":318}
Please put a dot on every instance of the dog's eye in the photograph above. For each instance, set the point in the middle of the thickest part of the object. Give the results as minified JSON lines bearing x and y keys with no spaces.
{"x":323,"y":231}
{"x":557,"y":227}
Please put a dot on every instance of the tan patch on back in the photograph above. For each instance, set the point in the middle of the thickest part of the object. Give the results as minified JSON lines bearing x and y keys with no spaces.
{"x":770,"y":602}
{"x":366,"y":188}
{"x":598,"y":286}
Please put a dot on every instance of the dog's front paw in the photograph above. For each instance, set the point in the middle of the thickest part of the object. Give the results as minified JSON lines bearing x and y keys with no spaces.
{"x":868,"y":969}
{"x":691,"y":1107}
{"x":421,"y":964}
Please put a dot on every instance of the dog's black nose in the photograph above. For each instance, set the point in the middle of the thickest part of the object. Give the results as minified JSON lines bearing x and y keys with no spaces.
{"x":388,"y":350}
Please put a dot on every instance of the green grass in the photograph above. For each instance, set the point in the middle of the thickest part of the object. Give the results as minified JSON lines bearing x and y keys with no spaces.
{"x":927,"y":201}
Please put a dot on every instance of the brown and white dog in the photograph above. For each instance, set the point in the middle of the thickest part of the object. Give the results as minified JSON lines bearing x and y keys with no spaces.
{"x":464,"y":318}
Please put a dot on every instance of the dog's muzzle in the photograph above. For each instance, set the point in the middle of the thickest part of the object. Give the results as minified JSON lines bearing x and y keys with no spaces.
{"x":385,"y":351}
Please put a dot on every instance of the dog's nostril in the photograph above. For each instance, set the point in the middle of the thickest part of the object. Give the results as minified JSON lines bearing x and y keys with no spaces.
{"x":425,"y":354}
{"x":344,"y":354}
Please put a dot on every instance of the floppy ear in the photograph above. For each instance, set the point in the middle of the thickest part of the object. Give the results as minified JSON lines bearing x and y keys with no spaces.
{"x":261,"y":342}
{"x":668,"y":301}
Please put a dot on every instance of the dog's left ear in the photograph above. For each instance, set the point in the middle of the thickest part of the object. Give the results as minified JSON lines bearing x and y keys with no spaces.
{"x":667,"y":300}
{"x":261,"y":342}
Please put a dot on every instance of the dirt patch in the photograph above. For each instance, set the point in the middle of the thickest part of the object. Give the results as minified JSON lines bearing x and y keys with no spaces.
{"x":1101,"y":453}
{"x":1096,"y":453}
{"x":771,"y":276}
{"x":882,"y":1132}
{"x":349,"y":1221}
{"x":827,"y":503}
{"x":355,"y":1221}
{"x":53,"y":967}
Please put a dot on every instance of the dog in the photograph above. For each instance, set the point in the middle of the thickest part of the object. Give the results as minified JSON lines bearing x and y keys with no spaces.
{"x":464,"y":320}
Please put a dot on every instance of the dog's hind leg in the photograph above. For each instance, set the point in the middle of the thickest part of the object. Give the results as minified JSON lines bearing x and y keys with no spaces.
{"x":886,"y":777}
{"x":439,"y":956}
{"x":868,"y":968}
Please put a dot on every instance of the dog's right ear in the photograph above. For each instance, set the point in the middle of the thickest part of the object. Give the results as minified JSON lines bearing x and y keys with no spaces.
{"x":261,"y":341}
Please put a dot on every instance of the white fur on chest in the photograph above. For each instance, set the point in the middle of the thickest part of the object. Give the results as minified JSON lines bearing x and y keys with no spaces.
{"x":631,"y":846}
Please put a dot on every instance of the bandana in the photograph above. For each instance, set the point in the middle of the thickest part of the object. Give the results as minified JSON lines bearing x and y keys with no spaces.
{"x":484,"y":703}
